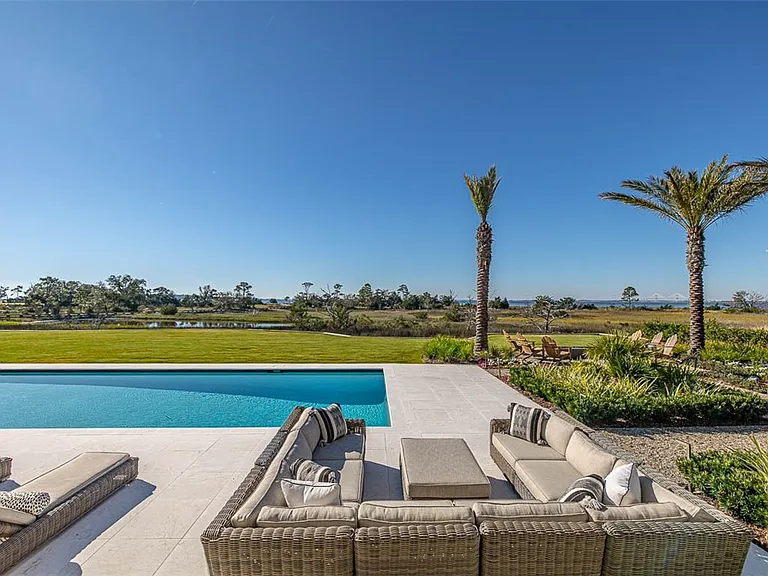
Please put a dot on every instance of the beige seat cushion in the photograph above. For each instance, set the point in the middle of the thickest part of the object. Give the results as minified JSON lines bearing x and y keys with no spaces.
{"x":657,"y":512}
{"x":350,"y":473}
{"x":546,"y":479}
{"x":514,"y":449}
{"x":653,"y":492}
{"x":587,"y":457}
{"x":373,"y":515}
{"x":530,"y":511}
{"x":348,"y":447}
{"x":64,"y":481}
{"x":268,"y":491}
{"x":10,"y":516}
{"x":307,"y":517}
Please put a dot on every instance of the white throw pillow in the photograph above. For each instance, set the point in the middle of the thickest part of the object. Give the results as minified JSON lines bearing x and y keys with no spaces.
{"x":622,"y":486}
{"x":301,"y":493}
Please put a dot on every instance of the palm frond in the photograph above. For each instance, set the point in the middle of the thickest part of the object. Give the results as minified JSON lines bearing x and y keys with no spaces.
{"x":651,"y":204}
{"x":482,"y":190}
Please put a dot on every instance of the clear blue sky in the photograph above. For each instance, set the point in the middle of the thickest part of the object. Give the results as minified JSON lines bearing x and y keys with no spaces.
{"x":211,"y":142}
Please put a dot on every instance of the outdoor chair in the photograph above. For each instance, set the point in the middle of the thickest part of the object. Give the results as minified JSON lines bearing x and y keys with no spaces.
{"x":553,"y":352}
{"x":636,"y":336}
{"x":655,"y":343}
{"x":669,"y":347}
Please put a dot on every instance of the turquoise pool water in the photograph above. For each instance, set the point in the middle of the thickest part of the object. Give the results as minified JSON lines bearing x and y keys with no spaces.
{"x":184,"y":399}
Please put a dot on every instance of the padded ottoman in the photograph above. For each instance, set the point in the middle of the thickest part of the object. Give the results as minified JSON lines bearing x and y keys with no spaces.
{"x":441,"y":468}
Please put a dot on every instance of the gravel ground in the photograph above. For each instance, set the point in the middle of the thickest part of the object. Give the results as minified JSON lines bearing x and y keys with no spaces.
{"x":660,"y":447}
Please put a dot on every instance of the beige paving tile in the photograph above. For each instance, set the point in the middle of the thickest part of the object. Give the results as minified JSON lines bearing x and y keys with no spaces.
{"x":165,"y":517}
{"x":186,"y":559}
{"x":134,"y":557}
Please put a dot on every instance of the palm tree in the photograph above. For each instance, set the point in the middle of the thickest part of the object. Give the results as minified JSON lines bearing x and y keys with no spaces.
{"x":695,"y":202}
{"x":481,"y":191}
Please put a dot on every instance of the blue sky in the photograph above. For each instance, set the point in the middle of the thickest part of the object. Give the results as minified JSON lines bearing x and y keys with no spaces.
{"x":277,"y":143}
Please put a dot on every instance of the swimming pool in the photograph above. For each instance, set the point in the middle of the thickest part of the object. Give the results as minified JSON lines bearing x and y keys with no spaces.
{"x":184,"y":399}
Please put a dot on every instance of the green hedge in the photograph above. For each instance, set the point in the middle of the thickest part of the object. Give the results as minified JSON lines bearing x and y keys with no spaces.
{"x":713,"y":330}
{"x":608,"y":401}
{"x":723,"y":477}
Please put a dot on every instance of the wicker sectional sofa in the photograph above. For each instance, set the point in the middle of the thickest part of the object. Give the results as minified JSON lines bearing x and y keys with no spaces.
{"x":671,"y":533}
{"x":257,"y":534}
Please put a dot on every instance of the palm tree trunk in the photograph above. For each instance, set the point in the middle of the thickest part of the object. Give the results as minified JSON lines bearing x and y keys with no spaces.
{"x":484,"y":239}
{"x":695,"y":261}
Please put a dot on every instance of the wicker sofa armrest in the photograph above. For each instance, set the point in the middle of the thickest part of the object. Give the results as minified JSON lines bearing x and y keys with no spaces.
{"x":327,"y":551}
{"x":5,"y":468}
{"x":356,"y":426}
{"x":498,"y":425}
{"x":423,"y":550}
{"x":512,"y":548}
{"x":675,"y":548}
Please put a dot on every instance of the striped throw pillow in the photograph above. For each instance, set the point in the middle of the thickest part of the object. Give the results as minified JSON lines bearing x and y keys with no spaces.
{"x":332,"y":423}
{"x":303,"y":469}
{"x":528,"y":423}
{"x":587,"y":490}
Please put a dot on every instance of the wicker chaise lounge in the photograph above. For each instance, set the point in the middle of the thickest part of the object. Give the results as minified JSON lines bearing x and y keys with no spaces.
{"x":5,"y":468}
{"x":697,"y":539}
{"x":76,"y":487}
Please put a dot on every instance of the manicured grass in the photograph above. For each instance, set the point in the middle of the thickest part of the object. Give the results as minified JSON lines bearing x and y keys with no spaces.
{"x":188,"y":345}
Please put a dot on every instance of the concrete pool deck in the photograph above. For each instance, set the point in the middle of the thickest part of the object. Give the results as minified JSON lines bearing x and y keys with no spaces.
{"x":187,"y":474}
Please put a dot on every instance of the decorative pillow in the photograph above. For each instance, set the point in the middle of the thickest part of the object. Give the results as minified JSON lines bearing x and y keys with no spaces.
{"x":588,"y":491}
{"x":332,"y":423}
{"x":300,"y":493}
{"x":528,"y":423}
{"x":303,"y":469}
{"x":29,"y":502}
{"x":622,"y":486}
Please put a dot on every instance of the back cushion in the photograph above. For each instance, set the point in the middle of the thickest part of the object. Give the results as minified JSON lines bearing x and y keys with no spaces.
{"x":557,"y":433}
{"x":653,"y":492}
{"x":300,"y":449}
{"x":529,"y":511}
{"x":311,"y":432}
{"x":587,"y":457}
{"x":374,"y":515}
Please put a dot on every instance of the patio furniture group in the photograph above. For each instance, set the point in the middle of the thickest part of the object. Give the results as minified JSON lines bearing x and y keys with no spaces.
{"x":458,"y":530}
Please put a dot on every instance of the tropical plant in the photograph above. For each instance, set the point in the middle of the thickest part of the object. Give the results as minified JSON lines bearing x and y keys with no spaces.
{"x":756,"y":460}
{"x":696,"y":202}
{"x":448,"y":349}
{"x":482,"y":190}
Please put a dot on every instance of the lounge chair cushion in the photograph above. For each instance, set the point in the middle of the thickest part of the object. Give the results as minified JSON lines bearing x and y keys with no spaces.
{"x":307,"y":517}
{"x":530,"y":511}
{"x":622,"y":485}
{"x":300,"y":493}
{"x":268,"y":491}
{"x":64,"y":481}
{"x":546,"y":479}
{"x":657,"y":512}
{"x":300,"y":449}
{"x":587,"y":457}
{"x":10,"y":516}
{"x":350,"y":477}
{"x":398,"y":513}
{"x":348,"y":447}
{"x":557,"y":434}
{"x":653,"y":492}
{"x":514,"y":449}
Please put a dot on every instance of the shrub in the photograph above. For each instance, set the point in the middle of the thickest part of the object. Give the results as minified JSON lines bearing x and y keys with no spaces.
{"x":169,"y":309}
{"x":421,"y":315}
{"x":588,"y":393}
{"x":621,"y":356}
{"x":728,"y":352}
{"x":448,"y":349}
{"x":723,"y":477}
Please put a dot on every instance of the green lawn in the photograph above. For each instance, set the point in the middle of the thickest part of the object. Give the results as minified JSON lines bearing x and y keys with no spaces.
{"x":189,"y":345}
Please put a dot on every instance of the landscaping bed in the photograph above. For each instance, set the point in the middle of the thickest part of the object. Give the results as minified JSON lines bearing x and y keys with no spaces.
{"x":715,"y":478}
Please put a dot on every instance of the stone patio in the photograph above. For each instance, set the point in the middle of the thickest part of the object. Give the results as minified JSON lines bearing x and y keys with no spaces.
{"x":186,"y":475}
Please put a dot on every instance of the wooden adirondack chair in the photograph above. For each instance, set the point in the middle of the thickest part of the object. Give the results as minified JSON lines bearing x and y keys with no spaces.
{"x":552,"y":351}
{"x":636,"y":336}
{"x":655,"y":343}
{"x":669,"y":346}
